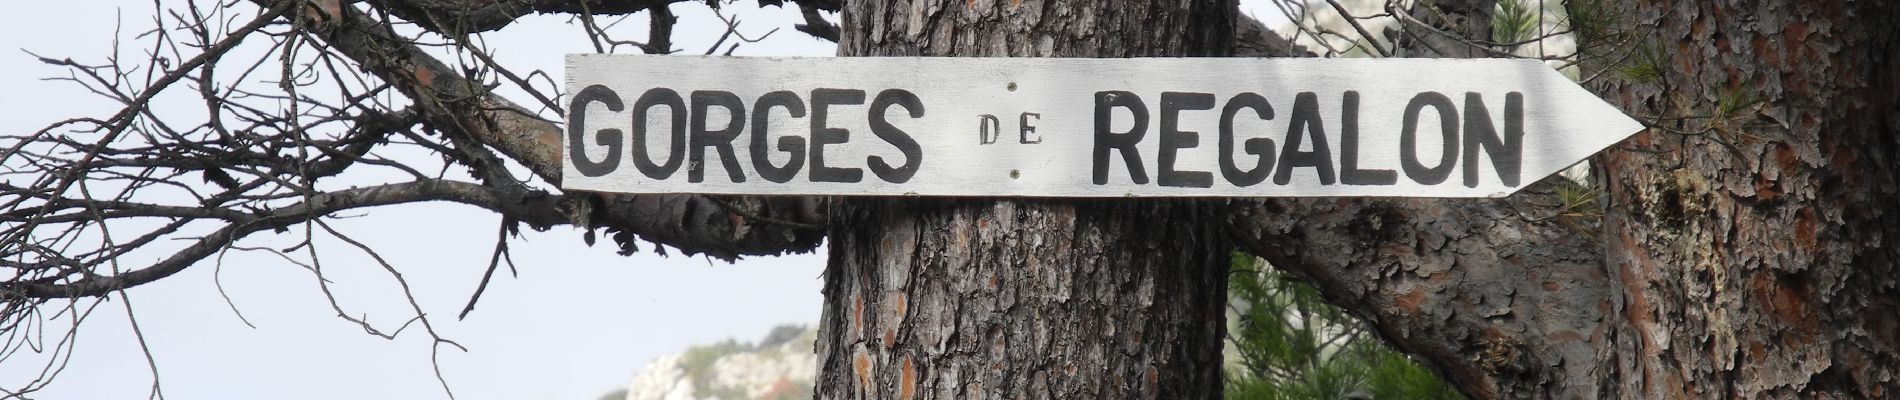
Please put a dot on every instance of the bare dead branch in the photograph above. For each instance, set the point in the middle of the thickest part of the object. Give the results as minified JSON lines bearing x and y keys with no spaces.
{"x":458,"y":106}
{"x":815,"y":23}
{"x":117,"y":124}
{"x":471,"y":16}
{"x":541,"y":211}
{"x":436,"y":339}
{"x":1354,"y":21}
{"x":494,"y":261}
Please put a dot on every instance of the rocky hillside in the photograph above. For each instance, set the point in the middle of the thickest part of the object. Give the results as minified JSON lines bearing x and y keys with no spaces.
{"x":780,"y":366}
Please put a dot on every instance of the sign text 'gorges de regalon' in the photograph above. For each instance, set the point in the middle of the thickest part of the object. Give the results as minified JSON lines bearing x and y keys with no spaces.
{"x":1052,"y":127}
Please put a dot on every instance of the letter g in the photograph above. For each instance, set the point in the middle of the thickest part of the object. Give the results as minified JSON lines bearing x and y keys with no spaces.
{"x":576,"y":129}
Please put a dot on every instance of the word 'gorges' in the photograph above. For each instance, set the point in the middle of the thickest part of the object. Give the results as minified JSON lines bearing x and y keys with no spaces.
{"x":691,"y":136}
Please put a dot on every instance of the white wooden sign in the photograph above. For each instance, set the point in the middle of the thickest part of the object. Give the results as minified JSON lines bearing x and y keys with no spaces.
{"x":1049,"y":127}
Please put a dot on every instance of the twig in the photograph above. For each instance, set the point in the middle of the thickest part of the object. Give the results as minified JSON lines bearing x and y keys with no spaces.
{"x":494,"y":261}
{"x":1370,"y":40}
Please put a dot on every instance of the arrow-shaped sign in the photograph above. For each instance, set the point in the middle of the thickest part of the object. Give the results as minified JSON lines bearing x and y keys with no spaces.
{"x":1053,"y":127}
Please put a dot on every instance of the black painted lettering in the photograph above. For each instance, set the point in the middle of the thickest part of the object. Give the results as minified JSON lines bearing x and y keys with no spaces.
{"x":1105,"y":102}
{"x":577,"y":127}
{"x":1306,"y":122}
{"x":821,"y":135}
{"x":792,"y":145}
{"x":676,"y":149}
{"x":1507,"y":154}
{"x":1260,"y":147}
{"x":913,"y":154}
{"x":721,"y":139}
{"x":1173,"y":139}
{"x":1448,"y":130}
{"x":1027,"y":128}
{"x":987,"y":129}
{"x":1349,"y":172}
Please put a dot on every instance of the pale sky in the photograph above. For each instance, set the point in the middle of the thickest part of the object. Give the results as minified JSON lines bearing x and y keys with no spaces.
{"x":579,"y":322}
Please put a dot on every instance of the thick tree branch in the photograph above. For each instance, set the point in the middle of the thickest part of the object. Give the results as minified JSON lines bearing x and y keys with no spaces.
{"x":1481,"y":288}
{"x":461,"y":106}
{"x":470,"y":16}
{"x":455,"y":17}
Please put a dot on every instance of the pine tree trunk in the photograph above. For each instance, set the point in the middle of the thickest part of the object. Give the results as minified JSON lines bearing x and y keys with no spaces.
{"x":1750,"y":246}
{"x":1754,"y":236}
{"x":1026,"y":299}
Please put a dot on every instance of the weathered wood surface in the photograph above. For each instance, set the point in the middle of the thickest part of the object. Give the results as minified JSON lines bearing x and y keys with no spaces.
{"x":1074,"y":127}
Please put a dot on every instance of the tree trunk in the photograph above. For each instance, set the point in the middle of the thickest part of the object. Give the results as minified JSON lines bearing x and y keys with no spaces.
{"x":1748,"y":248}
{"x":1503,"y":297}
{"x":978,"y":298}
{"x":1753,"y":235}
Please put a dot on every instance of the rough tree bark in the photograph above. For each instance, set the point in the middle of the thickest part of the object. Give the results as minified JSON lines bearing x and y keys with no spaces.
{"x":954,"y":299}
{"x":1748,"y":245}
{"x":1747,"y":248}
{"x":1752,"y":236}
{"x":1504,"y":297}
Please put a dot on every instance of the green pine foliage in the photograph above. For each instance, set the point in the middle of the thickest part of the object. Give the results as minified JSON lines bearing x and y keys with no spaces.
{"x":1288,"y":344}
{"x":1514,"y":22}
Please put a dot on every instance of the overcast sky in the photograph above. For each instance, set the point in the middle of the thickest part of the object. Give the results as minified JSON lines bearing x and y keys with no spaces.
{"x":578,"y":322}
